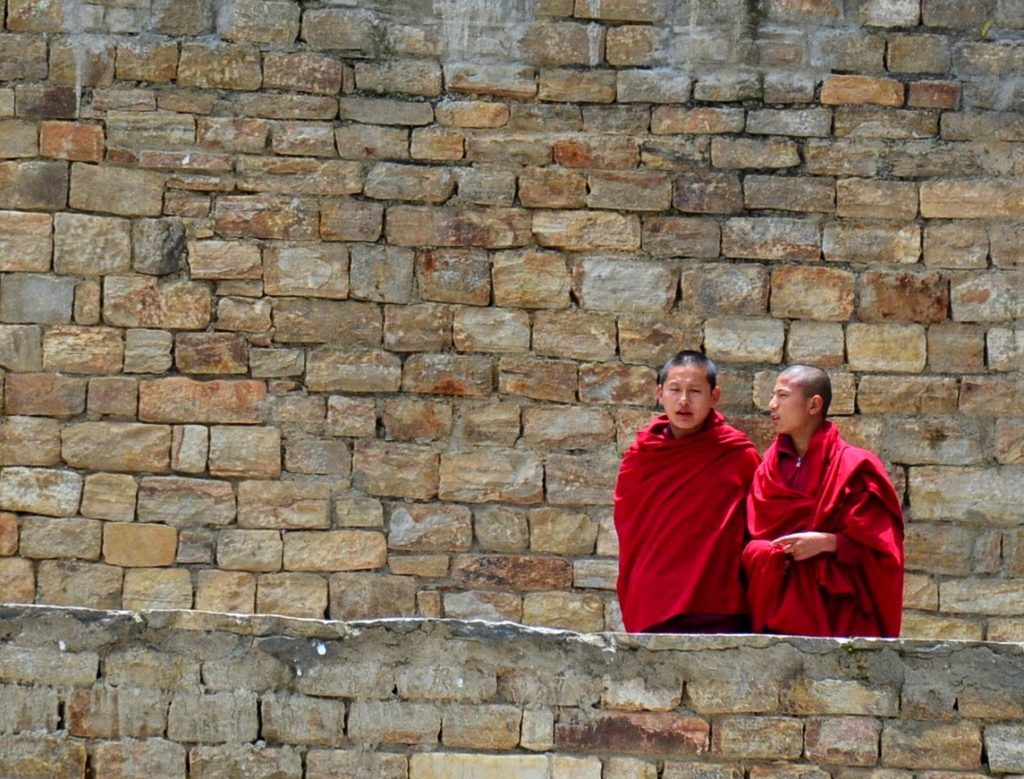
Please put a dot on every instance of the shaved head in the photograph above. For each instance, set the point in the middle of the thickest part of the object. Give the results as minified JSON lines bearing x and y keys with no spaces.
{"x":811,"y":381}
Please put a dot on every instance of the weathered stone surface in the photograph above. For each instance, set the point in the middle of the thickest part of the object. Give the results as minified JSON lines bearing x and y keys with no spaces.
{"x":89,"y":350}
{"x":26,"y":241}
{"x":283,"y":505}
{"x":123,"y":191}
{"x":480,"y":477}
{"x":184,"y":502}
{"x":134,"y":544}
{"x":144,"y":301}
{"x":178,"y":399}
{"x":54,"y":493}
{"x":36,"y":298}
{"x":117,"y":446}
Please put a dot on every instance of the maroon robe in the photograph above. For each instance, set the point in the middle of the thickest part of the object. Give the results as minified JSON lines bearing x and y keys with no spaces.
{"x":679,"y":515}
{"x":856,"y":590}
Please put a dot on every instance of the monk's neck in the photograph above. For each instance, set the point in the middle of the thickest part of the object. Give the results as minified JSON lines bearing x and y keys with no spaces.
{"x":802,"y":438}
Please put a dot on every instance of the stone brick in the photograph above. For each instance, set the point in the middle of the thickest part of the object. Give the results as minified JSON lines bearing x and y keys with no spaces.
{"x":843,"y":740}
{"x":629,"y":45}
{"x":394,"y":722}
{"x":955,"y":348}
{"x":323,"y":764}
{"x":882,"y":122}
{"x":856,"y":89}
{"x":438,"y":143}
{"x":38,"y":394}
{"x":29,"y":441}
{"x":454,"y":276}
{"x":754,"y":153}
{"x":471,"y":113}
{"x":495,"y":228}
{"x":986,"y":297}
{"x":396,"y":470}
{"x":39,"y":755}
{"x":629,"y":190}
{"x":955,"y":245}
{"x":771,"y":738}
{"x":656,"y":85}
{"x":870,"y":243}
{"x":989,"y":396}
{"x":36,"y":298}
{"x":872,"y":347}
{"x":27,"y":243}
{"x":447,"y":374}
{"x":137,"y":545}
{"x":147,"y":302}
{"x":224,"y":260}
{"x":670,"y":120}
{"x":147,"y":351}
{"x":248,"y":452}
{"x":932,"y":745}
{"x":906,"y":395}
{"x":249,"y":550}
{"x":117,"y":446}
{"x":735,"y":339}
{"x":597,"y":152}
{"x":541,"y":187}
{"x":370,"y":141}
{"x":927,"y":550}
{"x":70,"y":349}
{"x":344,"y":371}
{"x":51,"y":492}
{"x":113,"y":190}
{"x":789,"y":193}
{"x":668,"y":236}
{"x":649,"y":733}
{"x":109,"y":712}
{"x":157,"y":588}
{"x":812,"y":293}
{"x":219,"y":66}
{"x":220,"y":717}
{"x":298,"y":719}
{"x":876,"y":199}
{"x":771,"y":239}
{"x":424,"y":327}
{"x":337,"y":550}
{"x":113,"y":396}
{"x":371,"y":596}
{"x":74,"y":583}
{"x":381,"y":274}
{"x":417,"y":527}
{"x":600,"y":285}
{"x":416,"y":420}
{"x":34,"y":185}
{"x":565,"y":610}
{"x":716,"y":696}
{"x":491,"y":330}
{"x":833,"y":696}
{"x":959,"y":488}
{"x":269,"y":216}
{"x":293,"y":175}
{"x":576,"y":86}
{"x":567,"y":428}
{"x":491,"y":423}
{"x":226,"y":591}
{"x":351,"y":220}
{"x":616,"y":383}
{"x":347,"y":29}
{"x":575,"y":335}
{"x":123,"y":760}
{"x":480,"y":477}
{"x":183,"y":502}
{"x":540,"y":379}
{"x":710,"y":192}
{"x":494,"y":606}
{"x":292,"y":594}
{"x":385,"y":111}
{"x":900,"y":296}
{"x":183,"y":400}
{"x":19,"y":582}
{"x":587,"y":479}
{"x":512,"y":572}
{"x":211,"y":353}
{"x":1005,"y":348}
{"x":727,"y":86}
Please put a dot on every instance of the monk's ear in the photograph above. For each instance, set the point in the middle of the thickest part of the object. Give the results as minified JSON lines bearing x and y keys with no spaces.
{"x":815,"y":405}
{"x":657,"y":395}
{"x":716,"y":393}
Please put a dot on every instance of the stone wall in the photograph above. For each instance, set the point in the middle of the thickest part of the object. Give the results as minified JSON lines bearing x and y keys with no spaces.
{"x":176,"y":694}
{"x":349,"y":309}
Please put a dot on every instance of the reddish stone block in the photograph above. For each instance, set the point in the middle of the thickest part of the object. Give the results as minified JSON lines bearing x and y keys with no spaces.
{"x":71,"y":141}
{"x":43,"y":394}
{"x":211,"y":353}
{"x":663,"y":733}
{"x":512,"y":572}
{"x":934,"y":94}
{"x":178,"y":399}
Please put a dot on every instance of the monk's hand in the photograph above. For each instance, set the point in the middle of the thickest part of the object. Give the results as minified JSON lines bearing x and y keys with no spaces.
{"x":803,"y":546}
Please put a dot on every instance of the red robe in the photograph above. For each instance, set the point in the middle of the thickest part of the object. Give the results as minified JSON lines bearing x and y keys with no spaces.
{"x":679,"y":515}
{"x":856,"y":590}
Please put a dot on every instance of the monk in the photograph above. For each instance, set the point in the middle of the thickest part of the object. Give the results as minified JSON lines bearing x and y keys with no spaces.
{"x":679,"y":510}
{"x":826,"y":526}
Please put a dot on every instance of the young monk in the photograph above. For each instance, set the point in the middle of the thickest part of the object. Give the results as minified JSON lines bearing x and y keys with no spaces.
{"x":679,"y":510}
{"x":826,"y":555}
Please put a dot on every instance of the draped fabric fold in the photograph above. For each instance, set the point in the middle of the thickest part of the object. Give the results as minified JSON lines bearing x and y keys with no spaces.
{"x":679,"y":515}
{"x":856,"y":591}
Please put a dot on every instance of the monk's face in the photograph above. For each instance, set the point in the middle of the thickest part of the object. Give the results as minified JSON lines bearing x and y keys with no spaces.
{"x":790,"y":408}
{"x":687,"y":398}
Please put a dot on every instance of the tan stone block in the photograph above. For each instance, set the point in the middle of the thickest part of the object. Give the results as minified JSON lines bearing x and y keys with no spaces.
{"x":668,"y":236}
{"x":965,"y":199}
{"x":448,"y":374}
{"x":513,"y":81}
{"x":305,"y":270}
{"x":157,"y":588}
{"x":865,"y":121}
{"x":404,"y":76}
{"x":372,"y":141}
{"x":843,"y":740}
{"x":653,"y":338}
{"x":8,"y":534}
{"x":270,"y":216}
{"x":27,"y":243}
{"x":754,"y":153}
{"x":790,"y":193}
{"x":69,"y":537}
{"x":530,"y":279}
{"x":741,"y":339}
{"x":631,"y":44}
{"x":115,"y":190}
{"x":371,"y":596}
{"x":74,"y":583}
{"x":581,"y":479}
{"x":146,"y":301}
{"x":233,"y":135}
{"x":113,"y":396}
{"x":472,"y":113}
{"x":552,"y":188}
{"x":182,"y":400}
{"x":249,"y":452}
{"x":956,"y":245}
{"x":557,"y":427}
{"x":425,"y":327}
{"x":491,"y":330}
{"x":427,"y":566}
{"x":713,"y":288}
{"x":147,"y":351}
{"x":990,"y":395}
{"x":576,"y":86}
{"x":1009,"y":441}
{"x":117,"y":446}
{"x":220,"y":66}
{"x":487,"y":726}
{"x":182,"y":502}
{"x":903,"y":296}
{"x":226,"y":591}
{"x":71,"y":141}
{"x":890,"y":347}
{"x":109,"y":496}
{"x":18,"y":580}
{"x":941,"y":492}
{"x":932,"y":745}
{"x":876,"y":199}
{"x":855,"y":89}
{"x":29,"y":441}
{"x":907,"y":395}
{"x":575,"y":335}
{"x":393,"y":181}
{"x":72,"y":349}
{"x":54,"y":493}
{"x":618,"y":285}
{"x":224,"y":260}
{"x":416,"y":420}
{"x":437,"y":144}
{"x":768,"y":238}
{"x":334,"y":550}
{"x":288,"y":175}
{"x":493,"y":228}
{"x":41,"y":394}
{"x":616,"y":383}
{"x":211,"y":353}
{"x":869,"y":243}
{"x":515,"y":477}
{"x":137,"y":545}
{"x":283,"y":505}
{"x":292,"y":594}
{"x":494,"y":606}
{"x":494,"y":423}
{"x":330,"y":370}
{"x":597,"y":152}
{"x":802,"y":292}
{"x":454,"y":276}
{"x":771,"y":738}
{"x":386,"y":111}
{"x":665,"y":733}
{"x":541,"y":379}
{"x":510,"y":572}
{"x":397,"y":470}
{"x":351,"y":417}
{"x":557,"y":531}
{"x":249,"y":550}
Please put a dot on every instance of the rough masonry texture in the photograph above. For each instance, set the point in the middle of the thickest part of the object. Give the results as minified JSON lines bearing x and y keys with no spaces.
{"x":348,"y":310}
{"x":185,"y":694}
